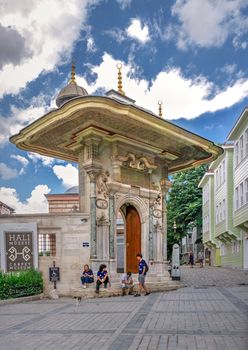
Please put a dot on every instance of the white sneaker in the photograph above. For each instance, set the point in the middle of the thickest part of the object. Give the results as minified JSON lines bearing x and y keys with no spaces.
{"x":84,"y":286}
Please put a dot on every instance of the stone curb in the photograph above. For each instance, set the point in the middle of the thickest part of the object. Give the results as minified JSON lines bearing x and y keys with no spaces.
{"x":22,"y":299}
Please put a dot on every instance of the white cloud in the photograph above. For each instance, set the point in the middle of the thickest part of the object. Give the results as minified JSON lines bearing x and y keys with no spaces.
{"x":90,"y":46}
{"x":124,"y":3}
{"x":36,"y":203}
{"x":7,"y":173}
{"x":239,"y":43}
{"x":116,"y":33}
{"x":182,"y":97}
{"x":138,"y":31}
{"x":35,"y":158}
{"x":208,"y":23}
{"x":18,"y":119}
{"x":23,"y":161}
{"x":68,"y":174}
{"x":20,"y":159}
{"x":22,"y":171}
{"x":49,"y":38}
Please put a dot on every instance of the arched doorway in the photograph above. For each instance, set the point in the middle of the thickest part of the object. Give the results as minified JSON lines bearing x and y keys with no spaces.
{"x":131,"y":238}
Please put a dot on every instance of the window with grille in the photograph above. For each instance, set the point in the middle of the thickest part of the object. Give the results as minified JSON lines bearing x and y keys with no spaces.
{"x":47,"y":244}
{"x":92,"y":151}
{"x":223,"y":250}
{"x":236,"y":153}
{"x":246,"y":142}
{"x":241,"y":142}
{"x":241,"y":191}
{"x":236,"y":198}
{"x":224,"y":209}
{"x":246,"y":191}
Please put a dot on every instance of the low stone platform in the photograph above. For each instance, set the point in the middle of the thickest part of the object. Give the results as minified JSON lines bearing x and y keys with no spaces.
{"x":154,"y":284}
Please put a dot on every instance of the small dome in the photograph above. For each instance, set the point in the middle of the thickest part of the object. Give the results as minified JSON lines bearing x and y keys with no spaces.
{"x":70,"y":91}
{"x":72,"y":190}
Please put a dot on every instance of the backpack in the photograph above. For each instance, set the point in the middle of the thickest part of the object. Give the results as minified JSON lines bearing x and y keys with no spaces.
{"x":146,"y":266}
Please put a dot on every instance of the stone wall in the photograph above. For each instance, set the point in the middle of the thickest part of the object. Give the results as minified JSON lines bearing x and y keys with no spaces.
{"x":70,"y":233}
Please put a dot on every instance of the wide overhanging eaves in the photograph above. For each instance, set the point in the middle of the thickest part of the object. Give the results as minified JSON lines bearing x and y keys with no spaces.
{"x":58,"y":133}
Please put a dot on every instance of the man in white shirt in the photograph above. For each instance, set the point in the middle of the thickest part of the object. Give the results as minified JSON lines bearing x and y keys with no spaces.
{"x":127,"y":283}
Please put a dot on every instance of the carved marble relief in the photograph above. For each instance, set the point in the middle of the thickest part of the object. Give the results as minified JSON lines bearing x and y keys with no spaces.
{"x":157,"y":225}
{"x":102,"y":190}
{"x":101,"y":203}
{"x":135,"y":162}
{"x":102,"y":215}
{"x":102,"y":220}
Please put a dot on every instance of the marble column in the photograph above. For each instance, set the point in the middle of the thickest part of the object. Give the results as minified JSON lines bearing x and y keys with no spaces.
{"x":165,"y":185}
{"x":93,"y":246}
{"x":112,"y":225}
{"x":151,"y":233}
{"x":83,"y":188}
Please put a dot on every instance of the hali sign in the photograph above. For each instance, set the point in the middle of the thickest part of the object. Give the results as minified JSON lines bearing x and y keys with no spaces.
{"x":18,"y":246}
{"x":19,"y":251}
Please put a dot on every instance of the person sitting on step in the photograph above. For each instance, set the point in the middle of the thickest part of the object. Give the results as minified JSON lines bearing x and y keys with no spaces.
{"x":87,"y":276}
{"x":102,"y":277}
{"x":127,"y":283}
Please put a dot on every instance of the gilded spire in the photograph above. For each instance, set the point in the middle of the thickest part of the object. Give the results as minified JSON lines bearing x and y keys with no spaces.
{"x":73,"y":80}
{"x":119,"y":66}
{"x":160,"y":103}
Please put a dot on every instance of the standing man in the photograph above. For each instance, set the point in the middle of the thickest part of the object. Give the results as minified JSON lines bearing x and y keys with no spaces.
{"x":143,"y":268}
{"x":127,"y":283}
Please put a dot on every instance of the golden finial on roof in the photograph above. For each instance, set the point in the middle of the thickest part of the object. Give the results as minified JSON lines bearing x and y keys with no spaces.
{"x":160,"y":103}
{"x":73,"y":80}
{"x":119,"y":66}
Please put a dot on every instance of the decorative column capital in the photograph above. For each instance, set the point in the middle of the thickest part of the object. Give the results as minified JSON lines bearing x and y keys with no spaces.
{"x":92,"y":175}
{"x":165,"y":185}
{"x":92,"y":168}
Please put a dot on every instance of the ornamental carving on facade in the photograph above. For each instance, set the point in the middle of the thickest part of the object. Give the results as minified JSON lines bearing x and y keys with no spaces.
{"x":134,"y":162}
{"x":157,"y":213}
{"x":102,"y":220}
{"x":101,"y":203}
{"x":156,"y":207}
{"x":101,"y":180}
{"x":158,"y":226}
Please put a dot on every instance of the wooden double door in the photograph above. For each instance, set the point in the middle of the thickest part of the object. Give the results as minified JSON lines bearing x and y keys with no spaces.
{"x":133,"y":238}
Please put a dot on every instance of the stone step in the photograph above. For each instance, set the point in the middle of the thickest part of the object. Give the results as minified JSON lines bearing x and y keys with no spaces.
{"x":148,"y":279}
{"x":153,"y":279}
{"x":115,"y":290}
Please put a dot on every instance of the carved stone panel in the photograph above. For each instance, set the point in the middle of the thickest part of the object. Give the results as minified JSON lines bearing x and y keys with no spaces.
{"x":101,"y":203}
{"x":135,"y":178}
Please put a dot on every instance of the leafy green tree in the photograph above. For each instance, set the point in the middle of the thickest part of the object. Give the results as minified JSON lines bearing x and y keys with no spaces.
{"x":184,"y":204}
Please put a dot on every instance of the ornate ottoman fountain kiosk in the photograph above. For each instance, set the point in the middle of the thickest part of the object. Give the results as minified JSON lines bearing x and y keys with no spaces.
{"x":125,"y":154}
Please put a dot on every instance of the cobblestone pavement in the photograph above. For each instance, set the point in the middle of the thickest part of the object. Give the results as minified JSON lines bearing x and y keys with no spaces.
{"x":213,"y":276}
{"x":194,"y":318}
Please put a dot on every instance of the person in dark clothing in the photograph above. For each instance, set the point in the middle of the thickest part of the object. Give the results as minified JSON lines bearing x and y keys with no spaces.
{"x":143,"y":268}
{"x":87,"y":276}
{"x":191,"y":259}
{"x":102,"y":277}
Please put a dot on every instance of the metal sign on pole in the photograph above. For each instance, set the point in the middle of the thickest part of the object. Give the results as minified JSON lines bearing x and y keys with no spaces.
{"x":54,"y":274}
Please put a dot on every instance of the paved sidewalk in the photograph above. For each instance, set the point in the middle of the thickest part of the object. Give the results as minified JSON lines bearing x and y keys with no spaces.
{"x":212,"y":276}
{"x":194,"y":318}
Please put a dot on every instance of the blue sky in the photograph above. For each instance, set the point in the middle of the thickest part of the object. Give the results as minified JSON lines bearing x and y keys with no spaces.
{"x":190,"y":54}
